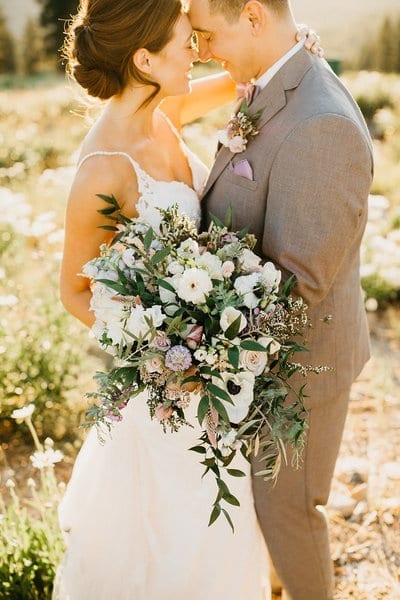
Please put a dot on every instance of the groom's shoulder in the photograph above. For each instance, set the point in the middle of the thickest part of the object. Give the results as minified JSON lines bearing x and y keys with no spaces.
{"x":321,"y":92}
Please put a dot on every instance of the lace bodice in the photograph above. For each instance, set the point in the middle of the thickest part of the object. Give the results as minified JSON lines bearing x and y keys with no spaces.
{"x":162,"y":194}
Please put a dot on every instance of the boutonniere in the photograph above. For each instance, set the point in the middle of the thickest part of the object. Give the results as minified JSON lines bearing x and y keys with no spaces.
{"x":240,"y":128}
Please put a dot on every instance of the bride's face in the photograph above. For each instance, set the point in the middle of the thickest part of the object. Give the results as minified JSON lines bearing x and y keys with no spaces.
{"x":172,"y":67}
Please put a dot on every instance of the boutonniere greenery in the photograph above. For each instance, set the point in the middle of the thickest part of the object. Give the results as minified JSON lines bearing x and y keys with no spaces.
{"x":240,"y":128}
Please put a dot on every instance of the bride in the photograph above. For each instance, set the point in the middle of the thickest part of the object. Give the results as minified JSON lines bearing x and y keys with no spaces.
{"x":136,"y":510}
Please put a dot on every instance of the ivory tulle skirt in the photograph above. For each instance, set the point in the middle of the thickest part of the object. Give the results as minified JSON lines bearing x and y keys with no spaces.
{"x":135,"y":517}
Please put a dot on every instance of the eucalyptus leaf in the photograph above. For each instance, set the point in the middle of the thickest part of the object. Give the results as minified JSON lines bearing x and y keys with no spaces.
{"x":202,"y":409}
{"x":216,"y":511}
{"x":220,"y":393}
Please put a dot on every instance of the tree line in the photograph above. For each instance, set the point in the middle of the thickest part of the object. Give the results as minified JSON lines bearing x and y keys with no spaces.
{"x":382,"y":51}
{"x":43,"y":37}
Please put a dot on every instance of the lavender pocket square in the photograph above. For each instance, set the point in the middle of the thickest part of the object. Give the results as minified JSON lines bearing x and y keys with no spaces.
{"x":242,"y":168}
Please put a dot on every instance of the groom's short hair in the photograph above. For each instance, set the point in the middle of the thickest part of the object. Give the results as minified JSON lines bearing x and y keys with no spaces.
{"x":231,"y":9}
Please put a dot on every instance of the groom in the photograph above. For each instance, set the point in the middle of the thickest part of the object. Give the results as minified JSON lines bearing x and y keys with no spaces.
{"x":302,"y":185}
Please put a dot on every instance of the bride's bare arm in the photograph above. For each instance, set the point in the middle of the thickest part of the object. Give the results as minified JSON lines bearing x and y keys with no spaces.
{"x":83,"y":235}
{"x":207,"y":93}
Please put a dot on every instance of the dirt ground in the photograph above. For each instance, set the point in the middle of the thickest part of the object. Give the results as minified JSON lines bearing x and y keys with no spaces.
{"x":364,"y":506}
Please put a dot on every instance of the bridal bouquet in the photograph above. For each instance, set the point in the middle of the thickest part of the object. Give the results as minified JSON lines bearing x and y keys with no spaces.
{"x":196,"y":318}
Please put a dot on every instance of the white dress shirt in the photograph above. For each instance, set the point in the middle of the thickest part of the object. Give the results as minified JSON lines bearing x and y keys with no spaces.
{"x":266,"y":77}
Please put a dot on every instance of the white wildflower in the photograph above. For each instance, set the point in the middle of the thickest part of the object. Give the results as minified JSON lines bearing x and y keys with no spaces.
{"x":23,"y":413}
{"x":48,"y":458}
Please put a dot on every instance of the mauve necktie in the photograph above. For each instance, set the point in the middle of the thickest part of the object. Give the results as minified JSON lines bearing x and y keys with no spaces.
{"x":247,"y":91}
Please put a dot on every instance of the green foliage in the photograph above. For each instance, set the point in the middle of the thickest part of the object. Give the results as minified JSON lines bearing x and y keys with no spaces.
{"x":375,"y":286}
{"x":373,"y":101}
{"x":382,"y":52}
{"x":28,"y":555}
{"x":7,"y":48}
{"x":54,"y":16}
{"x":40,"y":363}
{"x":31,"y":544}
{"x":32,"y":47}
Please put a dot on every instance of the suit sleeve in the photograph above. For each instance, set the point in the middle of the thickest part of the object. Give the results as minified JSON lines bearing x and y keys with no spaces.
{"x":317,"y":201}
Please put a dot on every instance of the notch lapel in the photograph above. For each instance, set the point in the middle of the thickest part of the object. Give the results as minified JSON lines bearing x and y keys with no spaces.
{"x":270,"y":101}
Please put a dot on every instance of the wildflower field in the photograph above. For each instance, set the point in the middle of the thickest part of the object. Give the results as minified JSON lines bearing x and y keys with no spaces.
{"x":47,"y":359}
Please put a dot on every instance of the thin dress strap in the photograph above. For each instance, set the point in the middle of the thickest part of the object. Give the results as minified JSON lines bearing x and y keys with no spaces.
{"x":141,"y":175}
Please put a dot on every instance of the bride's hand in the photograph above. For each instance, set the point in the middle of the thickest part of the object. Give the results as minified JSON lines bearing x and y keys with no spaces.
{"x":312,"y":39}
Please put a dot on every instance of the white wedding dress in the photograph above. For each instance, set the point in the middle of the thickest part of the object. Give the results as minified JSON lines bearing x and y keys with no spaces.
{"x":135,"y":513}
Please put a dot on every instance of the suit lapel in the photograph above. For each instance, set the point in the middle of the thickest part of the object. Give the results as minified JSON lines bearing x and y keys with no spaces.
{"x":270,"y":101}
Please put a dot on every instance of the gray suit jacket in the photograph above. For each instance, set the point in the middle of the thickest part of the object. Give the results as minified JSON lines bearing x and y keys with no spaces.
{"x":307,"y":204}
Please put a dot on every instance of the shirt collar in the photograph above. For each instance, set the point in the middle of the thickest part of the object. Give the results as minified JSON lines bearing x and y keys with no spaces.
{"x":266,"y":77}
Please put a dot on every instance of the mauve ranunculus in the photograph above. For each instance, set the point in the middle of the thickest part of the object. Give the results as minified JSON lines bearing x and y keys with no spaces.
{"x":162,"y":413}
{"x":193,"y":335}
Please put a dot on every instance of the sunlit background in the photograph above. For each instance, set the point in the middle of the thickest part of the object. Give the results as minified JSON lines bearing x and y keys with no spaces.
{"x":47,"y":359}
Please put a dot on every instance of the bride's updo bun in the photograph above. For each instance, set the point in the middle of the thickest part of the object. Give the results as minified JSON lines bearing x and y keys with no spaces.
{"x":105,"y":34}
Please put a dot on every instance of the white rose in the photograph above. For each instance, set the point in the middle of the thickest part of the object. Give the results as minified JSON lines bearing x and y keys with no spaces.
{"x":223,"y":137}
{"x":269,"y":342}
{"x":229,"y":315}
{"x":166,"y":296}
{"x":189,"y":248}
{"x":227,"y":268}
{"x":116,"y":333}
{"x":250,"y":262}
{"x":211,"y":359}
{"x":90,"y":270}
{"x":105,"y":309}
{"x":246,"y":283}
{"x":237,"y":144}
{"x":128,"y":256}
{"x":211,"y":263}
{"x":155,"y":314}
{"x":194,"y":285}
{"x":175,"y":268}
{"x":270,"y":276}
{"x":136,"y":323}
{"x":250,"y":300}
{"x":240,"y":388}
{"x":253,"y":361}
{"x":200,"y":354}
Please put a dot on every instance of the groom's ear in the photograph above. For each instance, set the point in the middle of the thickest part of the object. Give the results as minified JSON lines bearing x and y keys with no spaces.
{"x":142,"y":60}
{"x":254,"y":13}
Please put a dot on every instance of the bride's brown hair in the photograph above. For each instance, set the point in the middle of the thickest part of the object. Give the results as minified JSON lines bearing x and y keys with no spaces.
{"x":104,"y":35}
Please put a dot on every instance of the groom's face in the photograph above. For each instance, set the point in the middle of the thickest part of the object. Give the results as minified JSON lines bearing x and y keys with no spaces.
{"x":228,"y":43}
